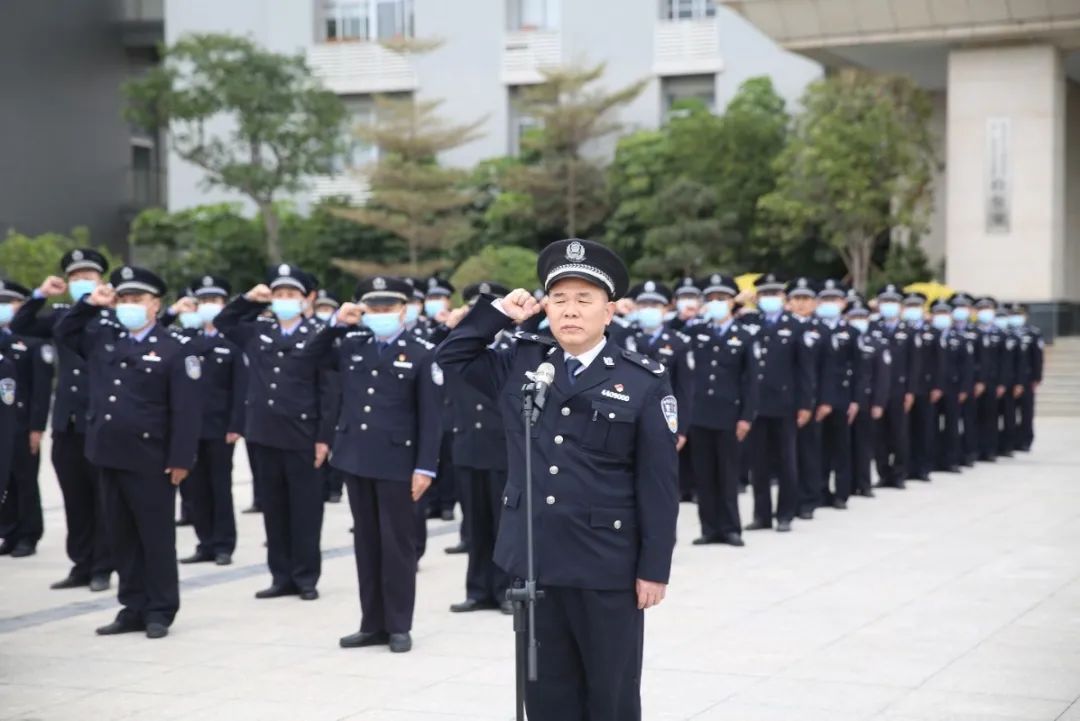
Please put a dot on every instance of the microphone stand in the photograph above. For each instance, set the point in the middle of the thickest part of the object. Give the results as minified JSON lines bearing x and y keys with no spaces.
{"x":525,"y":597}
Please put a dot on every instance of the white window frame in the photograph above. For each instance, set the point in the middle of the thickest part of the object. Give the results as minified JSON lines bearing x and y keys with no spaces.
{"x":548,"y":11}
{"x":358,"y":20}
{"x":688,"y":9}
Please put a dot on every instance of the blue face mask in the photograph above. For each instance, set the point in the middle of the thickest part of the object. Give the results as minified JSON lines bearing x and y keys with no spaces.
{"x":544,"y":324}
{"x":770,"y":304}
{"x":1002,"y":322}
{"x":985,"y":315}
{"x":324,"y":315}
{"x":286,"y":308}
{"x":433,"y":307}
{"x":889,"y":310}
{"x":717,"y":310}
{"x":941,"y":321}
{"x":962,"y":314}
{"x":828,"y":311}
{"x":650,"y":318}
{"x":79,"y":288}
{"x":7,"y":312}
{"x":209,"y":311}
{"x":632,"y":316}
{"x":912,"y":314}
{"x":191,"y":319}
{"x":860,"y":324}
{"x":412,"y":312}
{"x":1016,"y":321}
{"x":683,"y":304}
{"x":131,"y":315}
{"x":383,"y":325}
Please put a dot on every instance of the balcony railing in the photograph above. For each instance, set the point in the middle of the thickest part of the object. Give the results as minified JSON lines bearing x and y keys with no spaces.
{"x":526,"y":52}
{"x":687,"y":47}
{"x":348,"y":184}
{"x":349,"y":68}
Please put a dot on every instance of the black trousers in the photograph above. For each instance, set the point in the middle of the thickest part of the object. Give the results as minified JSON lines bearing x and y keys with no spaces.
{"x":987,"y":409}
{"x":332,"y":481}
{"x":687,"y":481}
{"x":21,"y":520}
{"x":483,"y":489}
{"x":420,"y":511}
{"x":256,"y":477}
{"x":589,"y":667}
{"x":969,"y":433}
{"x":140,"y":508}
{"x":1025,"y":435}
{"x":384,"y":522}
{"x":292,"y":507}
{"x":891,"y":443}
{"x":862,"y":449}
{"x":1007,"y":420}
{"x":921,"y":423}
{"x":715,"y":455}
{"x":84,"y":506}
{"x":836,"y":454}
{"x":444,"y":492}
{"x":773,"y":442}
{"x":947,"y":444}
{"x":808,"y":440}
{"x":210,"y":491}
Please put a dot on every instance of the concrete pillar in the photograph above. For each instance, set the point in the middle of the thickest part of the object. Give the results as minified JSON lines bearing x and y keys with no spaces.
{"x":1006,"y":122}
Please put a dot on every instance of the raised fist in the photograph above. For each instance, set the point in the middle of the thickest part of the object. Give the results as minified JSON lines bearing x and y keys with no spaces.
{"x":184,"y":305}
{"x":455,"y":316}
{"x":103,"y":296}
{"x":519,"y":305}
{"x":350,"y":313}
{"x":53,"y":286}
{"x":259,"y":294}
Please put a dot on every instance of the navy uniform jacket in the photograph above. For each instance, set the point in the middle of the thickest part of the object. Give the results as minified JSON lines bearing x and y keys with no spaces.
{"x":72,"y":382}
{"x":972,"y":346}
{"x":786,"y":371}
{"x":930,"y":359}
{"x":956,"y":362}
{"x":479,"y":433}
{"x":905,"y":347}
{"x":33,"y":377}
{"x":989,"y":351}
{"x":1009,"y":360}
{"x":605,"y":470}
{"x":1030,"y":362}
{"x":873,"y":371}
{"x":224,"y":384}
{"x":287,"y":386}
{"x":8,"y":389}
{"x":839,"y":357}
{"x":725,"y":375}
{"x":672,"y":350}
{"x":388,"y":418}
{"x":145,"y":397}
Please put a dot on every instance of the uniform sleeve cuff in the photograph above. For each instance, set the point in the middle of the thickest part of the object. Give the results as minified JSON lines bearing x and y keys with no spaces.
{"x":422,"y":472}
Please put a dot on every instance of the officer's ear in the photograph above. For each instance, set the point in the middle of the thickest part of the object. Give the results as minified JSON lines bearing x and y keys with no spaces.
{"x":609,"y":312}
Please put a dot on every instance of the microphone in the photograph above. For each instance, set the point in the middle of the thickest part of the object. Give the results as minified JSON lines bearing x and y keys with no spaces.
{"x":542,"y":380}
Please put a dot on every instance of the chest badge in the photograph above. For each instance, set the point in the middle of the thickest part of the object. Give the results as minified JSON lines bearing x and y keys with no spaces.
{"x":402,"y":361}
{"x":609,"y":362}
{"x":670,"y":408}
{"x":7,"y":391}
{"x":617,"y":394}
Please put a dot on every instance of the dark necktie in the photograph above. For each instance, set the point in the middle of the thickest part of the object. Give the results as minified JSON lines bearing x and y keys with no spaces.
{"x":572,"y":365}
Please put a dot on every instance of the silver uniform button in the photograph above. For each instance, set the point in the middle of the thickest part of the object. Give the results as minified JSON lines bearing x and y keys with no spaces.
{"x":367,"y":409}
{"x":75,"y":372}
{"x":554,"y":470}
{"x":145,"y":435}
{"x":374,"y":372}
{"x":112,"y":399}
{"x":74,"y":388}
{"x":276,"y":369}
{"x":479,"y":425}
{"x":273,"y":386}
{"x":558,"y":440}
{"x":408,"y":443}
{"x":371,"y":391}
{"x":116,"y":382}
{"x":303,"y":416}
{"x":479,"y":407}
{"x":550,"y":500}
{"x":363,"y":426}
{"x":565,"y":411}
{"x":617,"y":525}
{"x":108,"y":417}
{"x":611,"y":415}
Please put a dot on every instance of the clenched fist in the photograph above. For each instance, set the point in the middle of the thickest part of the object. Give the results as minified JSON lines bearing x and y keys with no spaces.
{"x":350,"y":313}
{"x":53,"y":286}
{"x":103,"y":296}
{"x":259,"y":294}
{"x":519,"y":305}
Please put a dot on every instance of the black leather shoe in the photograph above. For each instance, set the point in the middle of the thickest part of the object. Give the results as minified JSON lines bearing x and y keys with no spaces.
{"x":198,"y":557}
{"x":120,"y":626}
{"x":156,"y":630}
{"x":309,"y":595}
{"x":732,"y":539}
{"x":459,"y":548}
{"x":447,"y":515}
{"x":334,"y":498}
{"x":507,"y":608}
{"x":252,"y":509}
{"x":919,"y":477}
{"x":839,"y":505}
{"x":183,"y":522}
{"x":99,"y":583}
{"x":71,"y":582}
{"x":223,"y":559}
{"x":6,"y":548}
{"x":400,"y":643}
{"x":806,"y":515}
{"x":703,"y":541}
{"x":276,"y":592}
{"x":360,"y":639}
{"x":759,"y":526}
{"x":686,"y":498}
{"x":783,"y":526}
{"x":23,"y":549}
{"x":471,"y":604}
{"x":952,"y":469}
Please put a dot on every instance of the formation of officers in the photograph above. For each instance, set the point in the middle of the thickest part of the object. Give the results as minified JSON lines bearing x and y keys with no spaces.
{"x":798,"y":383}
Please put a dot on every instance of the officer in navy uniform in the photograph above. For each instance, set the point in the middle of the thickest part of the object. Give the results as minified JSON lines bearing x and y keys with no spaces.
{"x":480,"y":469}
{"x":871,"y":391}
{"x":1010,"y":373}
{"x":956,"y":370}
{"x":605,"y":478}
{"x":788,"y":392}
{"x":688,"y":304}
{"x":325,"y":305}
{"x":443,"y":497}
{"x":286,"y":423}
{"x":837,"y":402}
{"x":80,"y":483}
{"x":962,"y":308}
{"x":1031,"y":347}
{"x":990,"y":350}
{"x":8,"y":389}
{"x":209,"y":487}
{"x":726,"y":360}
{"x":802,"y":305}
{"x":21,"y":521}
{"x":142,"y":432}
{"x":922,"y":418}
{"x":386,"y":443}
{"x":905,"y":348}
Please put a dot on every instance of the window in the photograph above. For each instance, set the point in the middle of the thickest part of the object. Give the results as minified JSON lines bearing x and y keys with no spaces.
{"x":366,"y":19}
{"x":532,"y":15}
{"x":688,"y":87}
{"x":520,"y":123}
{"x":360,"y":110}
{"x":687,"y":9}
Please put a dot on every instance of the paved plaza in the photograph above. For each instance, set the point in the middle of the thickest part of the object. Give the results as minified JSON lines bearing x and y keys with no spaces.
{"x":956,"y":600}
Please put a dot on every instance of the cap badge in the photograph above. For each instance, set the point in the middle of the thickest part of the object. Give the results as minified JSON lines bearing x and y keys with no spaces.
{"x":485,"y":288}
{"x":283,"y":269}
{"x":207,"y":281}
{"x":650,"y":287}
{"x":127,"y":273}
{"x":76,"y":255}
{"x":802,"y":282}
{"x":575,"y":252}
{"x":379,"y":284}
{"x":715,"y":280}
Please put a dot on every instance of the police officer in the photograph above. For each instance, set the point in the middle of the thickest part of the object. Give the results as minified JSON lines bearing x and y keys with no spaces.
{"x":871,"y":391}
{"x":962,"y":309}
{"x":905,"y":347}
{"x":927,"y":390}
{"x":956,"y":373}
{"x":605,"y":485}
{"x":285,"y":423}
{"x":209,"y":487}
{"x":415,"y":322}
{"x":688,"y":303}
{"x":726,"y":394}
{"x":837,"y":402}
{"x":990,"y":351}
{"x":1010,"y":373}
{"x":87,"y":542}
{"x":326,"y":304}
{"x":788,"y":390}
{"x":386,"y":442}
{"x":21,"y":522}
{"x":802,"y":304}
{"x":1031,"y":349}
{"x":8,"y":389}
{"x":142,"y":432}
{"x":480,"y":469}
{"x":441,"y":502}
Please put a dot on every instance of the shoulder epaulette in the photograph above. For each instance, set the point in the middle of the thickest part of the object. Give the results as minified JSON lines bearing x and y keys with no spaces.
{"x":264,"y":319}
{"x":654,"y":367}
{"x":421,"y":342}
{"x":533,"y":337}
{"x":682,"y":336}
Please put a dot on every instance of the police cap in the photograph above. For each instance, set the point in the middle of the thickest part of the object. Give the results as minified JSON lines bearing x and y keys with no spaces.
{"x":585,"y":259}
{"x":132,"y":279}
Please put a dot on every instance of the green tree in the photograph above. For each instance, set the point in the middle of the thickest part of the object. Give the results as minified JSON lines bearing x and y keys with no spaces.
{"x":641,"y":169}
{"x":254,"y":121}
{"x":685,"y":235}
{"x":412,"y":196}
{"x":28,"y":260}
{"x":904,"y":263}
{"x":498,"y":215}
{"x":513,"y":267}
{"x":859,"y":163}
